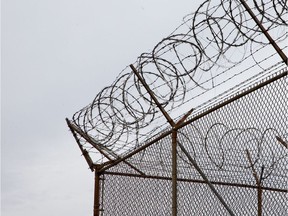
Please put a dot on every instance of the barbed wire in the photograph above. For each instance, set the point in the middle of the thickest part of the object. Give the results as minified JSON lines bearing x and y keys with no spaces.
{"x":209,"y":48}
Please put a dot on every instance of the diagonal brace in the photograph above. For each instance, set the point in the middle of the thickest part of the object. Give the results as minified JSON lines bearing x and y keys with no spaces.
{"x":206,"y":179}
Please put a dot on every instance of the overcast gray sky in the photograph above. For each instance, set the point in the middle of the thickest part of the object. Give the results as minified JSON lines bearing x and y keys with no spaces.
{"x":56,"y":56}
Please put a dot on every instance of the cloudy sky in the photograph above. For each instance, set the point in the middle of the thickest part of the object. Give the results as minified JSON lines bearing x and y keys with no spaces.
{"x":55,"y":57}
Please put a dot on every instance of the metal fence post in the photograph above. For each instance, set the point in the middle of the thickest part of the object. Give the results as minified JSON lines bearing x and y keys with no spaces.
{"x":96,"y":210}
{"x":265,"y":32}
{"x":174,"y":172}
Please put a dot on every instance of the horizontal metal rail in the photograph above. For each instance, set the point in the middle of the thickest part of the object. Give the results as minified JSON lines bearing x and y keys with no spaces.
{"x":196,"y":181}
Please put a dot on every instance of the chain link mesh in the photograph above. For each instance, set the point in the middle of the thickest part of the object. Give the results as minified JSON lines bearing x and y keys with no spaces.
{"x":231,"y":151}
{"x":234,"y":146}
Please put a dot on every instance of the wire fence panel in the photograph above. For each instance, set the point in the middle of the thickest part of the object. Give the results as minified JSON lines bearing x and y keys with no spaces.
{"x":237,"y":146}
{"x":231,"y":151}
{"x":143,"y":196}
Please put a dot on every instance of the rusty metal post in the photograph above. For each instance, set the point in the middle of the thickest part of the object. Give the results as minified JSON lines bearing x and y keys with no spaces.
{"x":258,"y":182}
{"x":175,"y":127}
{"x":174,"y":140}
{"x":174,"y":172}
{"x":259,"y":195}
{"x":265,"y":32}
{"x":96,"y":209}
{"x":174,"y":162}
{"x":150,"y":92}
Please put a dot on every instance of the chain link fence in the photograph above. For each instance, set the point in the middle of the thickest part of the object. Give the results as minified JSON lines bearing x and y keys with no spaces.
{"x":152,"y":156}
{"x":240,"y":147}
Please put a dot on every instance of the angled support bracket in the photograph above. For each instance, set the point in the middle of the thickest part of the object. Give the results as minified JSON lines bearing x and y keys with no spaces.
{"x":265,"y":32}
